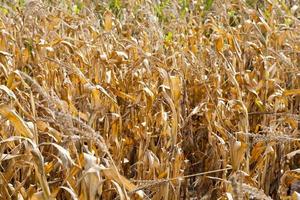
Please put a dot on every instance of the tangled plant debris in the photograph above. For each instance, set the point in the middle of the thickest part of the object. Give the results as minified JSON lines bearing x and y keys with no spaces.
{"x":149,"y":99}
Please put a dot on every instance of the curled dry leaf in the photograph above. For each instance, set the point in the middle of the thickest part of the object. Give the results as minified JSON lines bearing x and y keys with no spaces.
{"x":237,"y":152}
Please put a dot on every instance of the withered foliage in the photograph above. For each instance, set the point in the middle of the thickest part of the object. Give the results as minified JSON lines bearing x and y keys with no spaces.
{"x":149,"y":99}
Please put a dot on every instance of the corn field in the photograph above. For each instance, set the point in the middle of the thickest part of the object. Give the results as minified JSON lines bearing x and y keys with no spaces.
{"x":149,"y":99}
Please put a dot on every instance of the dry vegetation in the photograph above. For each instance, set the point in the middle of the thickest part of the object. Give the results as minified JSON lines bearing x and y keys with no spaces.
{"x":149,"y":99}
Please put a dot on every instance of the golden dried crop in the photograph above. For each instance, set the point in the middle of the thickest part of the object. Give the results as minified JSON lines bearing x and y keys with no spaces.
{"x":178,"y":99}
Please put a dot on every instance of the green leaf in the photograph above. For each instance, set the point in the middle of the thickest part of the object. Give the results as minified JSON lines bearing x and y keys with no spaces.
{"x":169,"y":37}
{"x":208,"y":4}
{"x":4,"y":10}
{"x":115,"y":6}
{"x":76,"y":9}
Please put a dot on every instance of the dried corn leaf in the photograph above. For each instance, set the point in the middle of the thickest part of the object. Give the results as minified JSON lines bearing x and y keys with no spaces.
{"x":237,"y":153}
{"x":291,"y":92}
{"x":16,"y":120}
{"x":8,"y":91}
{"x":107,"y":21}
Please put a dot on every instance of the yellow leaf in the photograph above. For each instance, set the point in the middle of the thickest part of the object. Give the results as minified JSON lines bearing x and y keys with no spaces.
{"x":107,"y":21}
{"x":260,"y":104}
{"x":163,"y":174}
{"x":122,"y":94}
{"x":16,"y":120}
{"x":219,"y":42}
{"x":295,"y":196}
{"x":175,"y":88}
{"x":37,"y":196}
{"x":112,"y":174}
{"x":291,"y":92}
{"x":230,"y":41}
{"x":292,"y":122}
{"x":238,"y":150}
{"x":4,"y":69}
